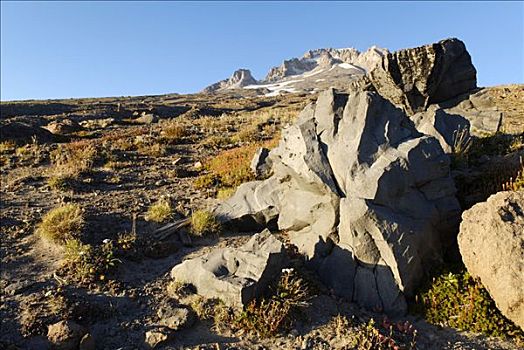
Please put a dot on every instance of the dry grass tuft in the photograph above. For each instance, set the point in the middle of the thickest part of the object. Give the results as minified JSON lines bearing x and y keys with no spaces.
{"x":62,"y":223}
{"x":204,"y":223}
{"x":160,"y":211}
{"x":173,"y":132}
{"x":73,"y":159}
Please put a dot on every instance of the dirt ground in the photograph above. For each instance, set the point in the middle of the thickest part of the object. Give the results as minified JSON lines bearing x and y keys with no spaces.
{"x":120,"y":310}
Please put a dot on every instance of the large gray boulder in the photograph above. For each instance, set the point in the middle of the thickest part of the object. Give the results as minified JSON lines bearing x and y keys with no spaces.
{"x":365,"y":197}
{"x":418,"y":77}
{"x":235,"y":276}
{"x":491,"y":242}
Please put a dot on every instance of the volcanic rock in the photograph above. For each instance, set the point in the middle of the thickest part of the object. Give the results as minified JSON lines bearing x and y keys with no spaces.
{"x":415,"y":78}
{"x":235,"y":276}
{"x":491,"y":242}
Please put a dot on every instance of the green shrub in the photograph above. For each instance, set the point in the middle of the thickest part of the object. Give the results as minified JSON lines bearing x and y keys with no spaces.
{"x":62,"y":223}
{"x":455,"y":299}
{"x":232,"y":166}
{"x":204,"y":223}
{"x":206,"y":181}
{"x":268,"y":316}
{"x":60,"y":182}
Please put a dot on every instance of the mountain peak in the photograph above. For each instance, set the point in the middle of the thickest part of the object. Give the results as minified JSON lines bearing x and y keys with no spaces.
{"x":315,"y":70}
{"x":239,"y":79}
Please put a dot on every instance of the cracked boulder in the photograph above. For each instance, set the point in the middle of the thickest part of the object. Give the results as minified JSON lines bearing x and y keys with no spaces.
{"x":366,"y":197}
{"x":491,"y":242}
{"x":235,"y":275}
{"x":418,"y":77}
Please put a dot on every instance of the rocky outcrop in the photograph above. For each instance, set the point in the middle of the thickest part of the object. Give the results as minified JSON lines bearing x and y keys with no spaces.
{"x":415,"y":78}
{"x":21,"y":133}
{"x":239,"y":79}
{"x":236,"y":276}
{"x":366,"y":197}
{"x":290,"y":67}
{"x":63,"y":127}
{"x":491,"y":242}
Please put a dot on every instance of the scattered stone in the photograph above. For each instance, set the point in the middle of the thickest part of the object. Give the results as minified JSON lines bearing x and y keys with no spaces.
{"x":146,"y":119}
{"x":18,"y":287}
{"x":198,"y":165}
{"x":63,"y":127}
{"x":175,"y":317}
{"x":491,"y":242}
{"x":65,"y":335}
{"x":235,"y":275}
{"x":22,"y":133}
{"x":97,"y":123}
{"x":87,"y":343}
{"x":156,"y":337}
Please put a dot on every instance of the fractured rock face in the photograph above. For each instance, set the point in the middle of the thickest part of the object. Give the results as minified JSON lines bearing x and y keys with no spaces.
{"x":236,"y":276}
{"x":491,"y":242}
{"x":365,"y":196}
{"x":239,"y":79}
{"x":415,"y":78}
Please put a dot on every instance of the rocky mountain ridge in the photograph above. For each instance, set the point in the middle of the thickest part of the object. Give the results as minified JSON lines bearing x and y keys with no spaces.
{"x":314,"y":71}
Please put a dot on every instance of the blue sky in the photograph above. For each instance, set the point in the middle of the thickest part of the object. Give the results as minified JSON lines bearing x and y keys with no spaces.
{"x":82,"y":49}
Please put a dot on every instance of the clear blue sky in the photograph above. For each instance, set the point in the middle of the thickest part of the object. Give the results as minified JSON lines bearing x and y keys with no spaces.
{"x":73,"y":49}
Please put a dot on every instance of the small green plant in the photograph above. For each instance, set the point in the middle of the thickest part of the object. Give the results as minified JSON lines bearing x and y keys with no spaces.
{"x":455,"y":299}
{"x":60,"y":182}
{"x":204,"y":223}
{"x":207,"y":181}
{"x":204,"y":308}
{"x":85,"y":263}
{"x":177,"y":289}
{"x":268,"y":316}
{"x":517,"y":183}
{"x":30,"y":152}
{"x":160,"y":211}
{"x":61,"y":223}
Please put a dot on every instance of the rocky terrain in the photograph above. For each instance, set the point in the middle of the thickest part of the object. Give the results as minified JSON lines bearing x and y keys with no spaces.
{"x":380,"y":210}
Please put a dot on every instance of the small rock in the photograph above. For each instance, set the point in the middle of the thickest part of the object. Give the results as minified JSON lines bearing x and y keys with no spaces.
{"x":63,"y":127}
{"x":87,"y":343}
{"x":155,"y":337}
{"x":65,"y":335}
{"x":175,"y":317}
{"x":235,"y":275}
{"x":17,"y":287}
{"x":147,"y":119}
{"x":197,"y":165}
